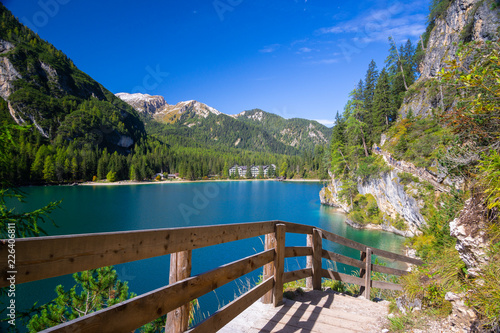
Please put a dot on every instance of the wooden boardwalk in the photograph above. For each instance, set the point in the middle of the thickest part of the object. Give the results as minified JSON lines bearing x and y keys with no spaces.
{"x":314,"y":311}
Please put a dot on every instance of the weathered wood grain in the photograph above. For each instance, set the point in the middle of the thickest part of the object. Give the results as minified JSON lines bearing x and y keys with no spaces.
{"x":297,"y":251}
{"x":368,"y":274}
{"x":317,"y":252}
{"x":44,"y":257}
{"x":180,"y":269}
{"x":343,"y":277}
{"x":133,"y":313}
{"x":297,"y":275}
{"x":279,"y":264}
{"x":268,"y":270}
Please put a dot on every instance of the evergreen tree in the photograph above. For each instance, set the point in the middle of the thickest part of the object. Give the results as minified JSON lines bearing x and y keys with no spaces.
{"x":99,"y":289}
{"x":261,"y":172}
{"x":355,"y":126}
{"x":225,"y":171}
{"x":384,"y":112}
{"x":248,"y":174}
{"x":49,"y":172}
{"x":371,"y":78}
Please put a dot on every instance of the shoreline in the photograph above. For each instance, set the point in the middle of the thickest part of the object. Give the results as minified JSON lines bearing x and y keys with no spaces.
{"x":154,"y":182}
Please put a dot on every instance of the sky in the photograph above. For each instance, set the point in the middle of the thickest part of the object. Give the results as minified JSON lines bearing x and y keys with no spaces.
{"x":294,"y":58}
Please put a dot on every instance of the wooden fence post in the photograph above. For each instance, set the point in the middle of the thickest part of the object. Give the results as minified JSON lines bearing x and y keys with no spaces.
{"x":180,"y":269}
{"x":279,"y":264}
{"x":368,"y":273}
{"x":362,"y":271}
{"x":309,"y":263}
{"x":317,"y":240}
{"x":270,"y":243}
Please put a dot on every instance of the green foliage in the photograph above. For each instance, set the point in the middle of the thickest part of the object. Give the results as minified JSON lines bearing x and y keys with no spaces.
{"x":420,"y":141}
{"x":475,"y":80}
{"x":94,"y":290}
{"x":437,"y":9}
{"x":365,"y":210}
{"x":438,"y":212}
{"x":489,"y":166}
{"x":406,"y":178}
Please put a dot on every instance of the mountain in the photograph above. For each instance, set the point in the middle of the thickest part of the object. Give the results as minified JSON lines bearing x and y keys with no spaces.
{"x":39,"y":85}
{"x":254,"y":129}
{"x":295,"y":132}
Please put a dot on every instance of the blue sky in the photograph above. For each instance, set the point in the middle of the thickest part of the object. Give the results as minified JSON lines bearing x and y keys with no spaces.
{"x":295,"y":58}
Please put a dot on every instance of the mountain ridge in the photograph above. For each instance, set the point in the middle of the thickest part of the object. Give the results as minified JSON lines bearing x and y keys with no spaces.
{"x":296,"y":132}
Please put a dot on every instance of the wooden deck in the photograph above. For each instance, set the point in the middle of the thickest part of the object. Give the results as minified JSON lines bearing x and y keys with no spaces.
{"x":314,"y":311}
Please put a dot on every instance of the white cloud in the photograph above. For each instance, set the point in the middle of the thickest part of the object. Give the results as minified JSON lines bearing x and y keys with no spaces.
{"x":399,"y":21}
{"x":305,"y":50}
{"x":270,"y":48}
{"x":326,"y":122}
{"x":325,"y":61}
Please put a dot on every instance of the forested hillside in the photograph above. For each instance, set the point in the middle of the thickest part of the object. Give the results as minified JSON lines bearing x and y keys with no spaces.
{"x":74,"y":129}
{"x":417,"y":149}
{"x":254,"y":130}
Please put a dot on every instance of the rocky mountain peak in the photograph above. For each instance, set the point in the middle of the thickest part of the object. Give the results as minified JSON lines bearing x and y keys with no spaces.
{"x":143,"y":102}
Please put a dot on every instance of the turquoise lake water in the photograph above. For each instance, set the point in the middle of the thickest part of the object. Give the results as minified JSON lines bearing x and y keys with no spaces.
{"x":89,"y":209}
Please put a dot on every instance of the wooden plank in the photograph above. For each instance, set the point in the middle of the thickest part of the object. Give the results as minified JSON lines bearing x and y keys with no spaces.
{"x":44,"y":257}
{"x":342,"y":259}
{"x":317,"y":252}
{"x":279,"y":264}
{"x":342,"y":277}
{"x":362,"y":271}
{"x":297,"y":275}
{"x":227,"y":313}
{"x":309,"y":264}
{"x":386,"y":285}
{"x":343,"y":241}
{"x":296,"y":228}
{"x":268,"y":270}
{"x":398,"y":257}
{"x":180,"y":269}
{"x":389,"y":270}
{"x":297,"y":251}
{"x":361,"y":247}
{"x":368,"y":274}
{"x":140,"y":310}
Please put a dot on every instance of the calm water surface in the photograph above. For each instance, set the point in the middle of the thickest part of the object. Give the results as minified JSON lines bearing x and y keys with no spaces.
{"x":90,"y":209}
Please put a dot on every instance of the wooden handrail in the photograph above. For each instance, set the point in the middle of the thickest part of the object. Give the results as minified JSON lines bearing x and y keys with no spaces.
{"x":44,"y":257}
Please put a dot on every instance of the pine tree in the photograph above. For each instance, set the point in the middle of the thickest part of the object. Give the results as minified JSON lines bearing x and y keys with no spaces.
{"x":356,"y":128}
{"x":99,"y":289}
{"x":261,"y":172}
{"x":49,"y":172}
{"x":371,"y":78}
{"x":384,"y":111}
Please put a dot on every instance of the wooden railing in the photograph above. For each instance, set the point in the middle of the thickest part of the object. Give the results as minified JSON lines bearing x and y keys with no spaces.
{"x":45,"y":257}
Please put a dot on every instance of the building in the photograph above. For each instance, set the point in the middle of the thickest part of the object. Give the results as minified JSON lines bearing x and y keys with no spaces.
{"x":241,"y":170}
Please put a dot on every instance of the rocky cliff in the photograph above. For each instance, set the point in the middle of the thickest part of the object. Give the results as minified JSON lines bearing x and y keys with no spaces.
{"x":463,"y":21}
{"x":391,"y":197}
{"x":143,"y":102}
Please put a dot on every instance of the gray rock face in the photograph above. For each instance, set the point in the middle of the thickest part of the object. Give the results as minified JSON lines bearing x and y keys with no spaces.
{"x":469,"y":20}
{"x":392,"y":199}
{"x":8,"y":73}
{"x":390,"y":196}
{"x":470,"y":230}
{"x":143,"y":102}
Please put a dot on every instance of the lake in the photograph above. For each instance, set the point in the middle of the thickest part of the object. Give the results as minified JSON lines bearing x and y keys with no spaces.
{"x":90,"y":209}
